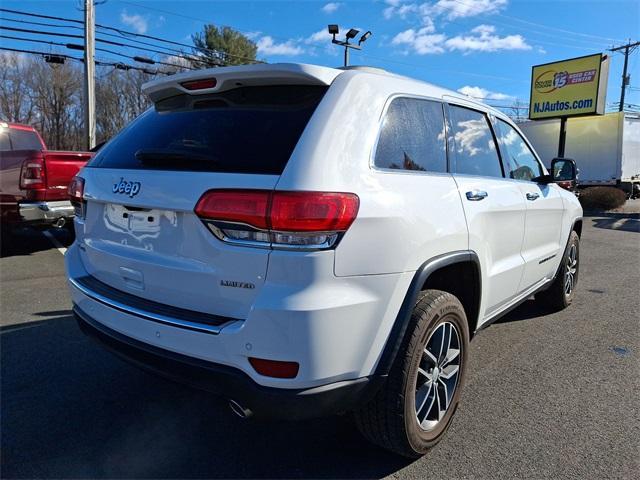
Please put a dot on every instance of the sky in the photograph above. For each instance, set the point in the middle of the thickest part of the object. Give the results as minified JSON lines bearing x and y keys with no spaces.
{"x":484,"y":48}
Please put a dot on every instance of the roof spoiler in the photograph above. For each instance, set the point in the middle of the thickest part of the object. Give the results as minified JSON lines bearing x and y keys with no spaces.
{"x":214,"y":80}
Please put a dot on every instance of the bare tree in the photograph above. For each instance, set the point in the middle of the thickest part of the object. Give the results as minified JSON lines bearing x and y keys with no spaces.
{"x":56,"y":96}
{"x":16,"y":104}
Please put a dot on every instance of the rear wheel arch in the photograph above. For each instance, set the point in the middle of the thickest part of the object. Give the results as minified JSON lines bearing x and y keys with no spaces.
{"x":436,"y":273}
{"x":577,"y":226}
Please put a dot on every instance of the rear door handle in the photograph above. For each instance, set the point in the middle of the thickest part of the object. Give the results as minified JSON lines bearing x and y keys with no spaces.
{"x":532,"y":196}
{"x":477,"y":195}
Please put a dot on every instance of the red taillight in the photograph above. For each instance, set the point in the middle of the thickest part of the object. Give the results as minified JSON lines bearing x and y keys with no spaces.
{"x":283,"y":219}
{"x":237,"y":206}
{"x":312,"y":211}
{"x":33,"y":175}
{"x":274,"y":368}
{"x":76,"y":189}
{"x":199,"y":84}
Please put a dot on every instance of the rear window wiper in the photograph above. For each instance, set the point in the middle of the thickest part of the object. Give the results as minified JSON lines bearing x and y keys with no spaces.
{"x":164,"y":155}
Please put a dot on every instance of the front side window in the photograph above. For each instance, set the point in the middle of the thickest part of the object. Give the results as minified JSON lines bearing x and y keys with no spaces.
{"x":412,"y":137}
{"x":475,"y":148}
{"x":519,"y":162}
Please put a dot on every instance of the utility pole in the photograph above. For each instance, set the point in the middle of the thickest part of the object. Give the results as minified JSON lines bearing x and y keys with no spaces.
{"x":89,"y":74}
{"x":628,"y":48}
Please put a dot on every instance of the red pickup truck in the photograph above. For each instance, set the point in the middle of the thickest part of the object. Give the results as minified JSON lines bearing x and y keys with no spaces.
{"x":34,"y":180}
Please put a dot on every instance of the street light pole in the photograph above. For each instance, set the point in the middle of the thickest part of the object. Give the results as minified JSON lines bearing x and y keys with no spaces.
{"x":89,"y":74}
{"x":352,"y":33}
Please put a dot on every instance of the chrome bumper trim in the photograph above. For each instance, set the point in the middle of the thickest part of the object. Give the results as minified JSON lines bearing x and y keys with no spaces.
{"x":45,"y":211}
{"x":154,"y":317}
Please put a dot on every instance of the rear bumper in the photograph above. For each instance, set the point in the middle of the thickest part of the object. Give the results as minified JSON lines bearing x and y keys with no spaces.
{"x":269,"y":402}
{"x":45,"y":213}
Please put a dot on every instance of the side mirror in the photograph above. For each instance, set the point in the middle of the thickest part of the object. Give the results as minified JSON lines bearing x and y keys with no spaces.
{"x":564,"y":170}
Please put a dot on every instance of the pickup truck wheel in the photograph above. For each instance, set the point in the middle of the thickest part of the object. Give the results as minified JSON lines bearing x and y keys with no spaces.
{"x":414,"y":408}
{"x":562,"y":291}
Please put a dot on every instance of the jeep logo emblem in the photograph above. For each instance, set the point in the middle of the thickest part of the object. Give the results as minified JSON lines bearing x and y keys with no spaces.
{"x":128,"y":188}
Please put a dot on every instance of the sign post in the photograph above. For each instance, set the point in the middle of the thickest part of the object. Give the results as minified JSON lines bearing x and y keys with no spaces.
{"x":569,"y":88}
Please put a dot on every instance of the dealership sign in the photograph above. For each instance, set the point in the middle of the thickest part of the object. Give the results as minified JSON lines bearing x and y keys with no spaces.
{"x":569,"y":88}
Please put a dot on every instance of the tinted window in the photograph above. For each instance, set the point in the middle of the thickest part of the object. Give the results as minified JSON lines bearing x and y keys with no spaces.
{"x":475,"y":148}
{"x":519,"y":161}
{"x":25,"y":140}
{"x":5,"y":145}
{"x":244,"y":130}
{"x":412,"y":137}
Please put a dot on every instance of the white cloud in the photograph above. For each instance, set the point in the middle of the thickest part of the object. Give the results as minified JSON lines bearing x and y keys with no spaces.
{"x":252,"y":35}
{"x":267,"y":46}
{"x":453,"y":9}
{"x":319,"y":36}
{"x":331,"y":7}
{"x":483,"y":94}
{"x":427,"y":13}
{"x":484,"y":39}
{"x":139,"y":23}
{"x":421,"y":41}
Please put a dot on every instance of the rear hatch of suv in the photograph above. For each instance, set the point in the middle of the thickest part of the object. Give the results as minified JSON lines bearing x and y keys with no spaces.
{"x":140,"y":234}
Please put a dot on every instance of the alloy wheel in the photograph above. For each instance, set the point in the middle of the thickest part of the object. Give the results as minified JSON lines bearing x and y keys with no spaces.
{"x":438,"y":374}
{"x":571,"y":271}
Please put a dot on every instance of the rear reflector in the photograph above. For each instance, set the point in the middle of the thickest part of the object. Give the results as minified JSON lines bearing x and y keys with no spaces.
{"x":200,"y":84}
{"x":294,"y":219}
{"x":274,"y":368}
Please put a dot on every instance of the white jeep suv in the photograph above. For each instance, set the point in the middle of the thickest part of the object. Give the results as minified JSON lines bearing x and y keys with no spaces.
{"x":307,"y":240}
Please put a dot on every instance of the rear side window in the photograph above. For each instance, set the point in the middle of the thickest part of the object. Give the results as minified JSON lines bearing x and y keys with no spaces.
{"x":412,"y":137}
{"x":24,"y":140}
{"x":475,"y":149}
{"x":244,"y":130}
{"x":519,"y":161}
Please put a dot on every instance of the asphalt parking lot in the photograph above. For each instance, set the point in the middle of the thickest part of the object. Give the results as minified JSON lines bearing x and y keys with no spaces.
{"x":547,"y":396}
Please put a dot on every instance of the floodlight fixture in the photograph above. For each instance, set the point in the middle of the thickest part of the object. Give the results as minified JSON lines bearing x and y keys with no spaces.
{"x":364,"y":37}
{"x":333,"y":29}
{"x":352,"y":33}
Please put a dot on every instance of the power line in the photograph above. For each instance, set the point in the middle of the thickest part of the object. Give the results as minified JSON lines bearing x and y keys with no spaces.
{"x":527,"y":22}
{"x":81,"y":47}
{"x":126,"y":33}
{"x":101,"y":40}
{"x":118,"y":65}
{"x":169,"y":50}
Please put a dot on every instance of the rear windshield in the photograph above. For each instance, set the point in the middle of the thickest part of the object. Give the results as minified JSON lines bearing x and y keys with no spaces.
{"x":24,"y":140}
{"x":244,"y":130}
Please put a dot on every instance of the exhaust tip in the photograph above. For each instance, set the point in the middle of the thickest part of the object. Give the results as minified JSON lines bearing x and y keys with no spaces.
{"x":239,"y":410}
{"x":59,"y":223}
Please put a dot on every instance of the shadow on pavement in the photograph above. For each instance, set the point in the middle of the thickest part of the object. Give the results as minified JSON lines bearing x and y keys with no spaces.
{"x":26,"y":241}
{"x":527,"y":311}
{"x":618,"y":221}
{"x":71,"y":409}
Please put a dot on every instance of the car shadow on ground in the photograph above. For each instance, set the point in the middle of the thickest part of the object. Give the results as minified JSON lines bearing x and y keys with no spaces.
{"x":26,"y":241}
{"x":617,"y":221}
{"x":526,"y":311}
{"x":71,"y":409}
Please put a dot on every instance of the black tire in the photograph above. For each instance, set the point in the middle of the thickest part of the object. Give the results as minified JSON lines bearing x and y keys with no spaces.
{"x":389,"y":419}
{"x":556,"y":298}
